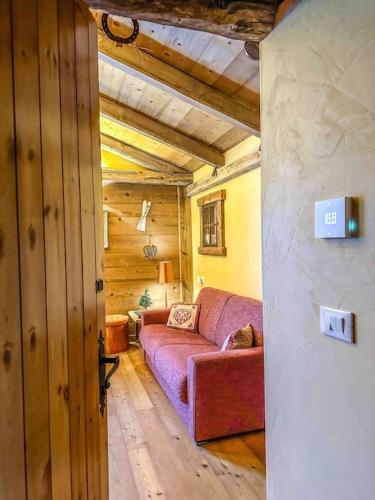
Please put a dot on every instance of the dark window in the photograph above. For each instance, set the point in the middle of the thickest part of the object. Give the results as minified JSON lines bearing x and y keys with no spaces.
{"x":212,"y":223}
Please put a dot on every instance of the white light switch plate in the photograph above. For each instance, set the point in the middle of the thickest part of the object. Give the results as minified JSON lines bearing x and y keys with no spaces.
{"x":336,"y":323}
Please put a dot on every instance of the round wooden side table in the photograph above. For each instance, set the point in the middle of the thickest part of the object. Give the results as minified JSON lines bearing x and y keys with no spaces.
{"x":116,"y":333}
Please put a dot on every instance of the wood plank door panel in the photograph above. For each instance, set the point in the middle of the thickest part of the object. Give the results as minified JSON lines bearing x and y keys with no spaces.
{"x":12,"y":456}
{"x":31,"y":247}
{"x":85,"y":154}
{"x":54,"y":240}
{"x":73,"y":250}
{"x":53,"y":438}
{"x":73,"y":239}
{"x":99,"y":231}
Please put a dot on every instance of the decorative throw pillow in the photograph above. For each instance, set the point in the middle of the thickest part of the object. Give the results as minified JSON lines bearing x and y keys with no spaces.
{"x":239,"y":339}
{"x":184,"y":316}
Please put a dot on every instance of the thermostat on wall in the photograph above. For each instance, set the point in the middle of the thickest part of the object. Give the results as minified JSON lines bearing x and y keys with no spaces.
{"x":333,"y":218}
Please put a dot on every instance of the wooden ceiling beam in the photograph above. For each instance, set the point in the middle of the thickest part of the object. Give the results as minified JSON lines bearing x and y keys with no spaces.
{"x":225,"y":174}
{"x":133,"y":177}
{"x":129,"y":117}
{"x":139,"y":156}
{"x":145,"y":67}
{"x":245,"y":20}
{"x":284,"y":9}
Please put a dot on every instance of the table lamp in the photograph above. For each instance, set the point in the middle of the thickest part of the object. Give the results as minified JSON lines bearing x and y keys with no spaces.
{"x":165,"y":276}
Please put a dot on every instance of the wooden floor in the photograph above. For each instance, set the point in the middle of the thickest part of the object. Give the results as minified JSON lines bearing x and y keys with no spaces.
{"x":152,"y":456}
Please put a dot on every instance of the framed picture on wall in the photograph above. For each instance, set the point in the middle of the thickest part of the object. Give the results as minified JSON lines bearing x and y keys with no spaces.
{"x":105,"y":225}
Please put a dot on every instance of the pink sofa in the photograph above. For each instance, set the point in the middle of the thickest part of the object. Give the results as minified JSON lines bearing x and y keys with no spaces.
{"x":215,"y":393}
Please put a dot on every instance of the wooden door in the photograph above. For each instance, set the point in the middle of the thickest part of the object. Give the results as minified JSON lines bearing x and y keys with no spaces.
{"x":53,"y":438}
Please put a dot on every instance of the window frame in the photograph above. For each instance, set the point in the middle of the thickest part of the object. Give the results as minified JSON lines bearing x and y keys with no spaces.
{"x":213,"y":200}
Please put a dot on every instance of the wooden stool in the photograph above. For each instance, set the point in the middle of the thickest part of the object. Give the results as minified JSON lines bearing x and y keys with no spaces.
{"x":116,"y":333}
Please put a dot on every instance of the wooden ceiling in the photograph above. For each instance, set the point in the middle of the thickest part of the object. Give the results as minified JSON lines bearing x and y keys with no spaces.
{"x":174,"y":101}
{"x":242,"y":20}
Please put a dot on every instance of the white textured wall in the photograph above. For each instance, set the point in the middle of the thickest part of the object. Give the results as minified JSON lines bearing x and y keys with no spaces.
{"x":318,"y":114}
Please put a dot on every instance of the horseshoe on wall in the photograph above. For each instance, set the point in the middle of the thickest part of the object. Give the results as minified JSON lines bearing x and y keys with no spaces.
{"x":120,"y":39}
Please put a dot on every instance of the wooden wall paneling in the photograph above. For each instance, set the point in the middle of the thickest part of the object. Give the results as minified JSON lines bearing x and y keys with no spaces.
{"x":88,"y":250}
{"x":124,"y":296}
{"x":12,"y":457}
{"x":142,"y":271}
{"x":118,"y":196}
{"x":160,"y":224}
{"x":186,"y":263}
{"x":31,"y":245}
{"x":73,"y":256}
{"x":127,"y":271}
{"x":99,"y":231}
{"x":180,"y":237}
{"x":54,"y":236}
{"x":167,"y":244}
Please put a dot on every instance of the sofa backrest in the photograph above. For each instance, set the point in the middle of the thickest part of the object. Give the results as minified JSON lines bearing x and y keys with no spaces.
{"x":212,"y":302}
{"x":222,"y":312}
{"x":238,"y":312}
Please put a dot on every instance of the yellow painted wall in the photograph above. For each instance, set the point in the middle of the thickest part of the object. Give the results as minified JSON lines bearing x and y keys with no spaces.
{"x":240,"y":271}
{"x":111,"y":161}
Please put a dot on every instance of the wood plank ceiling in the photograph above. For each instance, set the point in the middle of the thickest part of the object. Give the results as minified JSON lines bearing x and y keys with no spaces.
{"x":174,"y":101}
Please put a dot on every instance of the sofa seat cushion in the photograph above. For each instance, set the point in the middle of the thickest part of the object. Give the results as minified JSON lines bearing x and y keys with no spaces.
{"x":171,"y":361}
{"x":153,"y":337}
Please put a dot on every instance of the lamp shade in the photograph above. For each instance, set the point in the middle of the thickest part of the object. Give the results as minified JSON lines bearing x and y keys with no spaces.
{"x":165,"y":272}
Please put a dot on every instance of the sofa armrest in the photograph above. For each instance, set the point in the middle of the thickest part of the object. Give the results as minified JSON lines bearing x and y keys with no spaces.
{"x":226,"y":392}
{"x":154,"y":317}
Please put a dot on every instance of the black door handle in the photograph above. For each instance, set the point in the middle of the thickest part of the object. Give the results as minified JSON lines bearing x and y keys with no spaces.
{"x":116,"y":363}
{"x":104,"y":378}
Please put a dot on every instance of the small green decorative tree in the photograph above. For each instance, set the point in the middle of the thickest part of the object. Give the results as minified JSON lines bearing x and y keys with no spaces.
{"x":145,"y":300}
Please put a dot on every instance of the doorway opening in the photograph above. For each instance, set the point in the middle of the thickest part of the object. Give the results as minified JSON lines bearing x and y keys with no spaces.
{"x":181,"y":202}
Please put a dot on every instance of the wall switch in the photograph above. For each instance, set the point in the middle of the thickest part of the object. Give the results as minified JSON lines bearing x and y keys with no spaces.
{"x":200,"y":280}
{"x":336,"y":323}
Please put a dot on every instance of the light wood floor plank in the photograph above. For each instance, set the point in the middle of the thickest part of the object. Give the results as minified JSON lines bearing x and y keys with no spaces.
{"x":137,"y":392}
{"x":237,"y":467}
{"x":145,"y":475}
{"x":132,"y":432}
{"x":152,"y":456}
{"x":121,"y":479}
